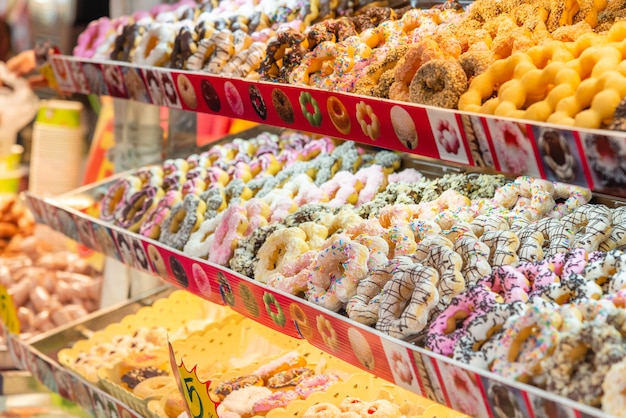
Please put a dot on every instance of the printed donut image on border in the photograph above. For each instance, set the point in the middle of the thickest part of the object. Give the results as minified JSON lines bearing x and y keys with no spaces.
{"x":233,"y":98}
{"x":107,"y":244}
{"x":314,"y":115}
{"x":210,"y":96}
{"x":298,"y":316}
{"x":513,"y":147}
{"x":226,"y":291}
{"x":249,"y":300}
{"x":64,"y":383}
{"x":125,"y":249}
{"x":81,"y":395}
{"x":169,"y":90}
{"x":361,"y":348}
{"x":606,"y":158}
{"x":557,"y":154}
{"x":504,"y":401}
{"x":60,"y":71}
{"x":257,"y":101}
{"x":543,"y":407}
{"x":135,"y":85}
{"x":85,"y":233}
{"x":186,"y":91}
{"x":140,"y":255}
{"x":80,"y":81}
{"x":370,"y":125}
{"x":68,"y":226}
{"x":156,"y":261}
{"x":338,"y":115}
{"x":428,"y":377}
{"x":115,"y":81}
{"x":404,"y":127}
{"x":201,"y":280}
{"x":112,"y":409}
{"x":155,"y":88}
{"x":447,"y":136}
{"x":274,"y":310}
{"x":282,"y":106}
{"x":178,"y":271}
{"x":327,"y":332}
{"x":463,"y":390}
{"x":477,"y":141}
{"x":95,"y":79}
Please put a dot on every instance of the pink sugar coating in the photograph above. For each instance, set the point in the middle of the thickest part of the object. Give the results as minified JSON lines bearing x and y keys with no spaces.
{"x":226,"y":233}
{"x":372,"y":177}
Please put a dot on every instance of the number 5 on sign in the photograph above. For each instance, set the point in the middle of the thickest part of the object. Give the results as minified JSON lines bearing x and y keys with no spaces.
{"x":8,"y":313}
{"x":196,"y":393}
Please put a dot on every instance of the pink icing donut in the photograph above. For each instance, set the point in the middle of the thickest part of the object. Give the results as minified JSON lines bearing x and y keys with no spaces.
{"x":215,"y":175}
{"x":139,"y":206}
{"x":444,"y":331}
{"x":294,"y":274}
{"x":343,"y":188}
{"x":508,"y":282}
{"x":93,"y":37}
{"x":318,"y":383}
{"x":336,"y":272}
{"x":194,"y":185}
{"x":234,"y":225}
{"x":278,"y":399}
{"x":175,"y":166}
{"x":258,"y":214}
{"x":374,"y":180}
{"x":151,"y":228}
{"x":574,"y":262}
{"x":540,"y":274}
{"x":408,"y":175}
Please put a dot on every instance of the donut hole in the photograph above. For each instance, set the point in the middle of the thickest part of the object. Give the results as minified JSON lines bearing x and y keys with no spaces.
{"x":456,"y":321}
{"x":177,"y":220}
{"x":152,"y":43}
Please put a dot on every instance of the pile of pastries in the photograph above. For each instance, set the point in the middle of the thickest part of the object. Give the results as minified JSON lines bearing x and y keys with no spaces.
{"x":471,"y":266}
{"x":558,"y":61}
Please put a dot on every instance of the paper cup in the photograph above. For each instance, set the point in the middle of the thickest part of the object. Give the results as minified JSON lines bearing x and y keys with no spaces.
{"x":61,"y":113}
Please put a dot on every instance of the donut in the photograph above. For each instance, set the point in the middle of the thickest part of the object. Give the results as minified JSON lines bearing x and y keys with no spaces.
{"x":300,"y":319}
{"x":336,"y":271}
{"x":322,"y":410}
{"x":274,"y":310}
{"x":278,"y":399}
{"x":184,"y":219}
{"x":527,"y":341}
{"x":210,"y":96}
{"x":370,"y":125}
{"x":361,"y":348}
{"x":290,"y":360}
{"x":313,"y":117}
{"x":224,"y":50}
{"x":226,"y":292}
{"x":282,"y":106}
{"x":440,"y":83}
{"x":241,"y":402}
{"x":156,"y":260}
{"x":186,"y":91}
{"x":317,"y":383}
{"x":233,"y":98}
{"x":132,"y":378}
{"x":327,"y":332}
{"x":338,"y":115}
{"x":613,"y":389}
{"x":154,"y":386}
{"x":279,"y":247}
{"x":116,"y":198}
{"x":155,"y":46}
{"x":91,"y":40}
{"x":232,"y":227}
{"x":257,"y":101}
{"x":225,"y":388}
{"x":290,"y":377}
{"x":406,"y":301}
{"x":179,"y":272}
{"x":403,"y":127}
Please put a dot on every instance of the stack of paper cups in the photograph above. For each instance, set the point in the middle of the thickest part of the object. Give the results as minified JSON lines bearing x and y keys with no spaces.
{"x":57,"y":148}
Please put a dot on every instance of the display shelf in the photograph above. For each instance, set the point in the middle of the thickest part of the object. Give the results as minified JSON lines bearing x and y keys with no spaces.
{"x":407,"y":365}
{"x":588,"y":158}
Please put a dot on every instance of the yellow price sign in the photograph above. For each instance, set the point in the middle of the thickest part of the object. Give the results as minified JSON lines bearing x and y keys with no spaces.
{"x":8,"y":313}
{"x":195,"y":392}
{"x":48,"y":74}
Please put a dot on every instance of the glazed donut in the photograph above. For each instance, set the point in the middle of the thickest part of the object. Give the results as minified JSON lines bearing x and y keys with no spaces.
{"x":322,"y":410}
{"x":290,"y":360}
{"x":289,"y":377}
{"x":278,"y":399}
{"x":596,"y":222}
{"x":184,"y":219}
{"x":224,"y":49}
{"x":280,"y":247}
{"x":338,"y":115}
{"x":503,"y":246}
{"x":363,"y":307}
{"x":475,"y":255}
{"x":134,"y":214}
{"x":336,"y":272}
{"x":233,"y":226}
{"x":527,"y":340}
{"x":154,"y":386}
{"x":406,"y":301}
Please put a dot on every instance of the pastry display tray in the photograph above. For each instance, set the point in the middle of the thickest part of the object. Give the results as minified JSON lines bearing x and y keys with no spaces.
{"x":585,"y":157}
{"x":409,"y":366}
{"x":38,"y":356}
